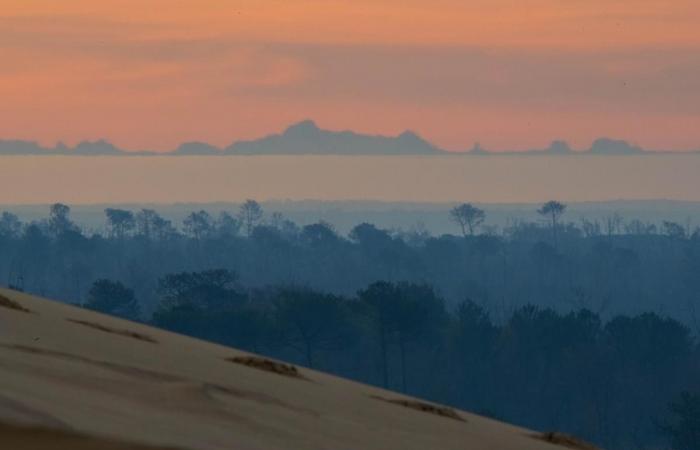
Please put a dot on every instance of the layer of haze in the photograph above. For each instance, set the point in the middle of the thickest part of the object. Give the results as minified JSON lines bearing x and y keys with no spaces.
{"x":451,"y":178}
{"x":511,"y":74}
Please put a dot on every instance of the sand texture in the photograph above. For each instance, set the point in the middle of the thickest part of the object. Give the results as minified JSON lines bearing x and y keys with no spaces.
{"x":75,"y":379}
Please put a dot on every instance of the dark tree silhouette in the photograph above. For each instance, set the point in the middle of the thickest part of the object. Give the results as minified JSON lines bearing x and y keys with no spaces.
{"x":382,"y":299}
{"x":418,"y":312}
{"x":310,"y":321}
{"x":10,"y":226}
{"x":151,"y":226}
{"x":684,"y":429}
{"x":120,"y":222}
{"x":199,"y":225}
{"x":207,"y":290}
{"x":553,"y":210}
{"x":468,"y":217}
{"x":59,"y":219}
{"x":250,"y":214}
{"x":673,"y":230}
{"x":319,"y":234}
{"x":227,"y":226}
{"x":112,"y":297}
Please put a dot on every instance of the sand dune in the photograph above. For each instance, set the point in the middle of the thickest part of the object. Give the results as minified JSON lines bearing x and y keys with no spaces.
{"x":35,"y":438}
{"x":82,"y":380}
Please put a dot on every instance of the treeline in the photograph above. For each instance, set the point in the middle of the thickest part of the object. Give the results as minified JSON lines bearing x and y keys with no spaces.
{"x":581,"y":327}
{"x":611,"y":382}
{"x":611,"y":267}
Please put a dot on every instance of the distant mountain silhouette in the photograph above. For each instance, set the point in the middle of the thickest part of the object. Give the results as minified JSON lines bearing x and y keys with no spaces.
{"x":86,"y":148}
{"x":601,"y":146}
{"x":607,"y":146}
{"x":558,"y":148}
{"x":307,"y":138}
{"x":20,"y":148}
{"x":100,"y":147}
{"x":196,"y":148}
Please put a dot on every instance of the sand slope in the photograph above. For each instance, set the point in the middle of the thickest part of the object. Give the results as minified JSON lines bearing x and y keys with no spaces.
{"x":70,"y":370}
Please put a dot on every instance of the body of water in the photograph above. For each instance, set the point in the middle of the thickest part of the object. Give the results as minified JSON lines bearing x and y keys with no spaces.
{"x":481,"y":179}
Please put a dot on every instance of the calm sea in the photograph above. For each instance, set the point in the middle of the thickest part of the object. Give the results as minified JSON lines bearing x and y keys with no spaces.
{"x":486,"y":179}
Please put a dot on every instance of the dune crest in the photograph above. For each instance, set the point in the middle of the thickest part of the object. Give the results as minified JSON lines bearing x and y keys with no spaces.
{"x":81,"y":380}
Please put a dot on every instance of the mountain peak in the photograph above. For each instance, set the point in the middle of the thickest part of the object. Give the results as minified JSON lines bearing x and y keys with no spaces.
{"x":608,"y":146}
{"x":304,"y":128}
{"x":307,"y":138}
{"x":409,"y":135}
{"x":99,"y":147}
{"x":559,"y":147}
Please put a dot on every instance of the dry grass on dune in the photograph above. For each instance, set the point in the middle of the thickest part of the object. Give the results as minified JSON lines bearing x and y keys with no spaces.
{"x":267,"y":365}
{"x":429,"y":408}
{"x":11,"y":304}
{"x":564,"y":440}
{"x":106,"y":329}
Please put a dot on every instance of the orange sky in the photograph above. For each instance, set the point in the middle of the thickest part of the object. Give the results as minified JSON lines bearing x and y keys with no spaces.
{"x":510,"y":74}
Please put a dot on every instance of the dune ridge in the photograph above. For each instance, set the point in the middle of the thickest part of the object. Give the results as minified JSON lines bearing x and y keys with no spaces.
{"x":42,"y":438}
{"x":87,"y":388}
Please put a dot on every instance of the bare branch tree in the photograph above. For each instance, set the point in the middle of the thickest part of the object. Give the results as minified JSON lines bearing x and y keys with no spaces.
{"x":468,"y":217}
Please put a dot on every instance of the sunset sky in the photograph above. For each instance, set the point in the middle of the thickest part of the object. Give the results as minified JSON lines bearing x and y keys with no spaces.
{"x":510,"y":74}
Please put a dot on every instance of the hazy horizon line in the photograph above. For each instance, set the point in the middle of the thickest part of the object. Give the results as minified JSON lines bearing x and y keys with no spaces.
{"x":105,"y":147}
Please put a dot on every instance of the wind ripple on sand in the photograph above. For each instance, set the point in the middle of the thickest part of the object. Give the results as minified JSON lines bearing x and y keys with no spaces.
{"x":168,"y":389}
{"x":19,"y":413}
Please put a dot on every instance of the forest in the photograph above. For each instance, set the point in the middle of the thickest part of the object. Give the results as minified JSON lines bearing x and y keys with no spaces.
{"x":587,"y":328}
